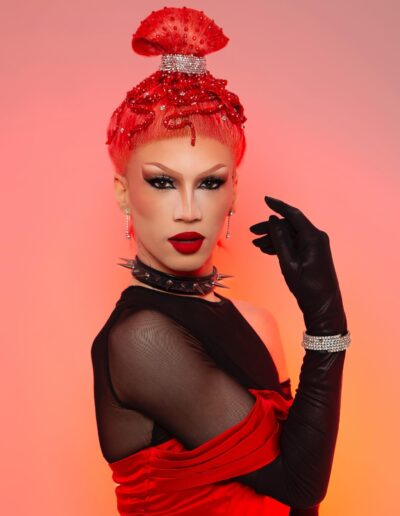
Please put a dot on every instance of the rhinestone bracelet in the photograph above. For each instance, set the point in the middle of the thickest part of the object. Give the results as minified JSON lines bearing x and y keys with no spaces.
{"x":326,"y":342}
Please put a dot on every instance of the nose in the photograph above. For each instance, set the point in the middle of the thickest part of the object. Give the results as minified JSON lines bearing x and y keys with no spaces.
{"x":187,"y":207}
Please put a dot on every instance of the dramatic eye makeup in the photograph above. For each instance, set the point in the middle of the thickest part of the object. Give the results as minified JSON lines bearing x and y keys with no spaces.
{"x":164,"y":182}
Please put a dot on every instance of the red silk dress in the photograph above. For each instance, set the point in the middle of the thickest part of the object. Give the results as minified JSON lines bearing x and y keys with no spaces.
{"x":169,"y":480}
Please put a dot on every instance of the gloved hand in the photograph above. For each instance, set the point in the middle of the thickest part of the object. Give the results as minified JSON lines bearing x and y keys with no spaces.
{"x":306,"y":262}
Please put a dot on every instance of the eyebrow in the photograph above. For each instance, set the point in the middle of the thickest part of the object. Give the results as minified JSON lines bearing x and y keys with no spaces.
{"x":163,"y":167}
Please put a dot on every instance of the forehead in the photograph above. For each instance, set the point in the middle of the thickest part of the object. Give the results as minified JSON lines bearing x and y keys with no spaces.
{"x":178,"y":154}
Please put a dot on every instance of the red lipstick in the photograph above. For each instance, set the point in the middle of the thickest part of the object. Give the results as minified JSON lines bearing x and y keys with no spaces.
{"x":188,"y":235}
{"x":188,"y":242}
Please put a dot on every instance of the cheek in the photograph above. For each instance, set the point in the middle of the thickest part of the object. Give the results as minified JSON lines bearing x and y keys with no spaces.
{"x":148,"y":212}
{"x":218,"y":212}
{"x":216,"y":206}
{"x":146,"y":202}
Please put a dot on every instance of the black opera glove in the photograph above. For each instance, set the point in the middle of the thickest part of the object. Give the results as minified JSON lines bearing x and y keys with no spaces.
{"x":306,"y":263}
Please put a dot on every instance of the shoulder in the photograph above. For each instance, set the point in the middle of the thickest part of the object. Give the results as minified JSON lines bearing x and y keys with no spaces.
{"x":148,"y":335}
{"x":266,"y":326}
{"x":144,"y":326}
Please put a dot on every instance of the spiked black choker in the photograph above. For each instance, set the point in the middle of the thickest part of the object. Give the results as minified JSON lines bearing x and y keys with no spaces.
{"x":171,"y":283}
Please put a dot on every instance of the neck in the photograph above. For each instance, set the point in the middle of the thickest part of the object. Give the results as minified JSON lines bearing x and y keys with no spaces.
{"x":189,"y":285}
{"x":148,"y":259}
{"x":209,"y":297}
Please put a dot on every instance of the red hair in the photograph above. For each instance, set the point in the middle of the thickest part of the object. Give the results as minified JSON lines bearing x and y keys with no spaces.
{"x":172,"y":103}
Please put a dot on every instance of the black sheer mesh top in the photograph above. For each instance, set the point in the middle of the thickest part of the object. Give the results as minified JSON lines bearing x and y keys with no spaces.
{"x":177,"y":366}
{"x":172,"y":338}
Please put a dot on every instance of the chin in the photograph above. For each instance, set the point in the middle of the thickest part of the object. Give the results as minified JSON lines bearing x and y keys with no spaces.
{"x":175,"y":262}
{"x":184,"y":264}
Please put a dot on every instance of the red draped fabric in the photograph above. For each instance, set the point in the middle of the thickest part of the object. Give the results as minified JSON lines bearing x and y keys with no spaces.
{"x":168,"y":479}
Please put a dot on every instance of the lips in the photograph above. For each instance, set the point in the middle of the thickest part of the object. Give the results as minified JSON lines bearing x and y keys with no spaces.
{"x":188,"y":242}
{"x":188,"y":235}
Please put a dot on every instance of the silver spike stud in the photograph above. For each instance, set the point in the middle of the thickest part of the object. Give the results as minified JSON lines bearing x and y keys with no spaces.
{"x":217,"y":284}
{"x":221,"y":276}
{"x":198,"y":288}
{"x":128,"y":264}
{"x":143,"y":275}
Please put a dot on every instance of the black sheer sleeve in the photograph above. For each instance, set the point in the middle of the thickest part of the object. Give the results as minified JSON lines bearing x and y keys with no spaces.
{"x":158,"y":368}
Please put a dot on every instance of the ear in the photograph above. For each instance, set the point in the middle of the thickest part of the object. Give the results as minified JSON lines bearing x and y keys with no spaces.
{"x":121,"y":191}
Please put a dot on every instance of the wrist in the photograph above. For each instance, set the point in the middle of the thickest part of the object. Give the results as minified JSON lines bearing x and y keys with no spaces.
{"x":326,"y":325}
{"x":326,"y":332}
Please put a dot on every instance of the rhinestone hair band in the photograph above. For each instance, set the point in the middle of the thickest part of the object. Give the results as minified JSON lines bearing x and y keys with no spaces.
{"x":186,"y":63}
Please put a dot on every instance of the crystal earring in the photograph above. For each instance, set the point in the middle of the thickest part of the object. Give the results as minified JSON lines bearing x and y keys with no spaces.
{"x":228,"y":235}
{"x":127,"y":234}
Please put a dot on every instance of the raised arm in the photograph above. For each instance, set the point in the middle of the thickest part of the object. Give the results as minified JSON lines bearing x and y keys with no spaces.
{"x":306,"y":263}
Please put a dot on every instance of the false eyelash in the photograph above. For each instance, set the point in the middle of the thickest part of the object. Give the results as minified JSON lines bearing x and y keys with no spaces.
{"x":169,"y":179}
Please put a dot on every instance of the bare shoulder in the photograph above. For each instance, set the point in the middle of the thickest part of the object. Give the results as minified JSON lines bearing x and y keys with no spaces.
{"x":266,"y":327}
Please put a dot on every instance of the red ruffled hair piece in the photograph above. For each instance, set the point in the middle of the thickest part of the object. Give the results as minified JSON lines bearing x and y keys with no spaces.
{"x":183,"y":31}
{"x":178,"y":30}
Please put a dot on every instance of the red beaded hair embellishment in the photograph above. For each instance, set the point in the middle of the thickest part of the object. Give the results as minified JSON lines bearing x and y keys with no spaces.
{"x":182,"y":36}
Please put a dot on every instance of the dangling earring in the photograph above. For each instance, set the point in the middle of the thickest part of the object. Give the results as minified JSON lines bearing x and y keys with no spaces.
{"x":127,"y":234}
{"x":228,"y":235}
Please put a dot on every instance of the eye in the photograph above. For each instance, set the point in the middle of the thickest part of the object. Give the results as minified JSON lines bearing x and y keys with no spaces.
{"x":154,"y":181}
{"x":215,"y":181}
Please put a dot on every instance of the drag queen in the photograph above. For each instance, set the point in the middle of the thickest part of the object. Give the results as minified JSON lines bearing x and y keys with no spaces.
{"x":194,"y":407}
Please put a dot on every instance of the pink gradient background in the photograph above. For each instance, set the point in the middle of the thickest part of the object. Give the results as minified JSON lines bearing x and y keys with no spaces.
{"x":320,"y":85}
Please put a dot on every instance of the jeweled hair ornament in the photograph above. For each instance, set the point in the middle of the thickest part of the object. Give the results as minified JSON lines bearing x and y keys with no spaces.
{"x":182,"y":85}
{"x":189,"y":64}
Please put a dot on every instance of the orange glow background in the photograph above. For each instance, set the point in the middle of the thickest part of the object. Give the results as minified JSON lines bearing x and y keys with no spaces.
{"x":319,"y":82}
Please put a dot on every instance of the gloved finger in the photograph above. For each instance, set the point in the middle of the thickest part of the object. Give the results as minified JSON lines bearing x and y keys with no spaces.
{"x":262,"y":240}
{"x":283,"y":244}
{"x":296,"y":217}
{"x":264,"y":227}
{"x":268,"y":249}
{"x":265,"y":244}
{"x":266,"y":241}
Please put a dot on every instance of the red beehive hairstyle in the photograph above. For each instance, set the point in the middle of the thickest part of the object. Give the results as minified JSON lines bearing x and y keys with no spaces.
{"x":175,"y":103}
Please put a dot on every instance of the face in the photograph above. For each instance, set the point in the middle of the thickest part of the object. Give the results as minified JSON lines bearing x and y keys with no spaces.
{"x":172,"y":187}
